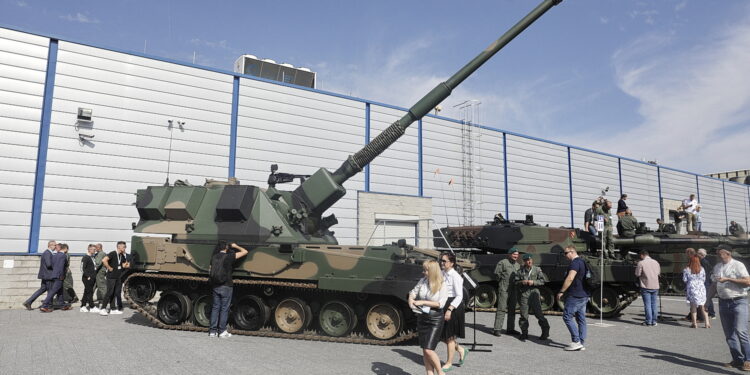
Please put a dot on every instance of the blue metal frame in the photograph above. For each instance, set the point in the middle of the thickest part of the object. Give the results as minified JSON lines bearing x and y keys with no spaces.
{"x":41,"y":156}
{"x":697,"y":189}
{"x":419,"y":151}
{"x":233,"y":126}
{"x":505,"y":174}
{"x":619,"y":173}
{"x":726,"y":215}
{"x":570,"y":189}
{"x":661,"y":202}
{"x":367,"y":141}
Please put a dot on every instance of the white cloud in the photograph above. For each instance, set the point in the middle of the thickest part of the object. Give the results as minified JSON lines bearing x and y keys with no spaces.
{"x":648,"y":16}
{"x":695,"y":103}
{"x":22,"y":4}
{"x":603,"y":20}
{"x":222,"y":44}
{"x":79,"y":17}
{"x":400,"y":76}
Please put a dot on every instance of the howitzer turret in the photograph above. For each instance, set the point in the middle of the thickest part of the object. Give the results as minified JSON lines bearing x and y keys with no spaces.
{"x":295,"y":272}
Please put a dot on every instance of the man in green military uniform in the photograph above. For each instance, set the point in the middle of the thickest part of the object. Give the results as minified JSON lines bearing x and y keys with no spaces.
{"x":69,"y":294}
{"x":101,"y":277}
{"x":609,"y":244}
{"x":627,"y":224}
{"x":528,"y":281}
{"x":506,"y":292}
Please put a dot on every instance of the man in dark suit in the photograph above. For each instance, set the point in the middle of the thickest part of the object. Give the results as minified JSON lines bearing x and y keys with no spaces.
{"x":45,"y":274}
{"x":58,"y":275}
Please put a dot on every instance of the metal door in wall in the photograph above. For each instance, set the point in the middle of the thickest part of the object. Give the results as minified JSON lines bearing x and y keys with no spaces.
{"x":387,"y":232}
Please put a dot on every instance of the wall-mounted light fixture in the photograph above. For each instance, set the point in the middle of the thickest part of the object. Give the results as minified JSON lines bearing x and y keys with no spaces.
{"x":84,"y":114}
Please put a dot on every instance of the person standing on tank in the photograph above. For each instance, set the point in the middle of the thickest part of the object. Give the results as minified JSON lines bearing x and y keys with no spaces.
{"x":690,"y":204}
{"x":606,"y":212}
{"x":622,"y":206}
{"x":589,"y":219}
{"x":116,"y":262}
{"x":506,"y":293}
{"x":576,"y":297}
{"x":427,"y":299}
{"x":222,"y":264}
{"x":453,"y":327}
{"x":647,"y":271}
{"x":528,"y":281}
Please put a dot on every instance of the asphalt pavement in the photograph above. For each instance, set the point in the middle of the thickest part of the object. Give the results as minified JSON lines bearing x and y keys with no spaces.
{"x":71,"y":342}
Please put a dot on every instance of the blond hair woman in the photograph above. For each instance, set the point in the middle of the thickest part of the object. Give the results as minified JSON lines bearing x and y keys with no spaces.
{"x":427,"y":300}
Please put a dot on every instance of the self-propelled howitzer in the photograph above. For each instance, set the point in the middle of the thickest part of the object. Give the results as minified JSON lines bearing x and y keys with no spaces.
{"x":296,"y":279}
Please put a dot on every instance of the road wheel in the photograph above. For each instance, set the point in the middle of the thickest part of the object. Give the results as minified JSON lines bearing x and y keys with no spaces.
{"x":678,"y":286}
{"x":250,"y":313}
{"x":173,"y":308}
{"x":202,"y":310}
{"x":337,"y":319}
{"x":485,"y":296}
{"x":605,"y":302}
{"x":141,"y":290}
{"x":384,"y":321}
{"x":547,"y":298}
{"x":292,"y":315}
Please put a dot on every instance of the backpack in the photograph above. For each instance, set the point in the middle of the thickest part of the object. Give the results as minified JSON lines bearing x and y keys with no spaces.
{"x":218,"y":274}
{"x":591,"y":280}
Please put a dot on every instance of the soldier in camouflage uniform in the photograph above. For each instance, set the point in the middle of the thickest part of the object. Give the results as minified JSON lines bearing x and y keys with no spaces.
{"x":69,"y":294}
{"x":506,"y":292}
{"x":101,"y":276}
{"x":627,"y":224}
{"x":528,"y":279}
{"x":609,"y":244}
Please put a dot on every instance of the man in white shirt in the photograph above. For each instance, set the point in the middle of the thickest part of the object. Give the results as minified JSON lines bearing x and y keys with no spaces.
{"x":690,"y":204}
{"x":731,"y":279}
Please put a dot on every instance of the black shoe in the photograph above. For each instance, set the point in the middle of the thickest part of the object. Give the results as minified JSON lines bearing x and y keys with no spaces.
{"x":496,"y":333}
{"x":27,"y":306}
{"x":523,"y":336}
{"x":545,"y":334}
{"x":512,"y":332}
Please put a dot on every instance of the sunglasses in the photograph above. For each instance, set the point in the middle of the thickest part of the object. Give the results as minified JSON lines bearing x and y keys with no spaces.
{"x":443,"y":261}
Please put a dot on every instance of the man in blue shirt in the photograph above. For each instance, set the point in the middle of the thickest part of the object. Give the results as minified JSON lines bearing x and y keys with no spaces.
{"x":576,"y":297}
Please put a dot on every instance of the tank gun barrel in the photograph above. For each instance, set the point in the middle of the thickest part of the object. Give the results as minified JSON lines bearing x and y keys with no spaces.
{"x":367,"y":154}
{"x":648,"y":240}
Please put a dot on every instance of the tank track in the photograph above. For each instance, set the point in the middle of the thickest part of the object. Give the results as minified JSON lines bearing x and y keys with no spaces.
{"x":149,"y":311}
{"x":624,"y":304}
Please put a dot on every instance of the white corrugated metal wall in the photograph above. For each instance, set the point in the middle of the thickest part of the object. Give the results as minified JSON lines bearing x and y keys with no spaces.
{"x":300,"y":131}
{"x":89,"y":184}
{"x":23,"y":67}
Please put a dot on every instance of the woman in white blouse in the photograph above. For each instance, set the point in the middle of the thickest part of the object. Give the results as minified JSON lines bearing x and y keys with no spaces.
{"x":454,"y":311}
{"x":427,"y":299}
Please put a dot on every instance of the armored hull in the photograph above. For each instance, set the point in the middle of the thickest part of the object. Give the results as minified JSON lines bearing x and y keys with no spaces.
{"x":489,"y":243}
{"x":296,"y":281}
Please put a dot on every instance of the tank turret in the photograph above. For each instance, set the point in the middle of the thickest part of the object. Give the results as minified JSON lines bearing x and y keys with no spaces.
{"x":296,"y":275}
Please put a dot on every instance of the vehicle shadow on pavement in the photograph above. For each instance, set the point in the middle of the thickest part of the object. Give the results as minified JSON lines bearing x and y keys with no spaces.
{"x":414,"y":357}
{"x":139,"y":319}
{"x":381,"y":368}
{"x":681,"y":359}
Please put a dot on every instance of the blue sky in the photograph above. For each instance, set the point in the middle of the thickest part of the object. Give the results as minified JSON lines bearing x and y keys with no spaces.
{"x":660,"y":80}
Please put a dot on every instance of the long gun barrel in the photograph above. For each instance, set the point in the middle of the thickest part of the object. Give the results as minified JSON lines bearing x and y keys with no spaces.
{"x":323,"y":188}
{"x":367,"y":154}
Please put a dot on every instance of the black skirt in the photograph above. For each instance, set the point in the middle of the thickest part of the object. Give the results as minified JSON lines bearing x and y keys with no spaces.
{"x":454,"y":327}
{"x":429,"y":327}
